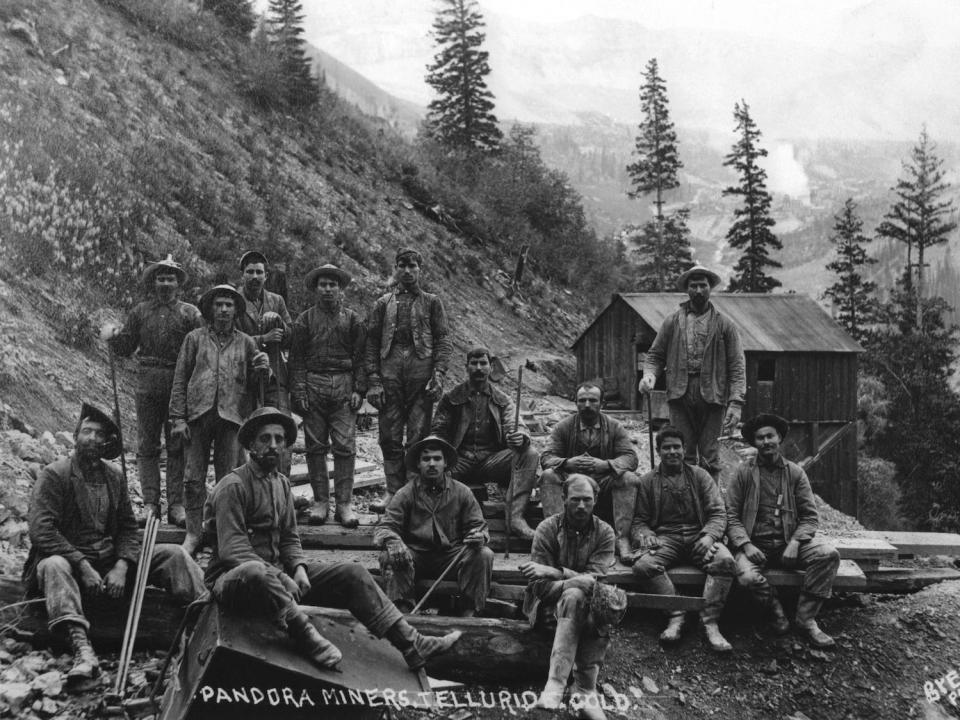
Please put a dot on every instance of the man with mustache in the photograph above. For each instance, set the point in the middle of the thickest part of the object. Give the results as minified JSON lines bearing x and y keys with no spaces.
{"x":427,"y":525}
{"x":478,"y":419}
{"x":155,"y":328}
{"x":408,"y":351}
{"x":592,"y":443}
{"x":699,"y":350}
{"x":213,"y":388}
{"x":326,"y":359}
{"x":258,"y":566}
{"x":84,"y":539}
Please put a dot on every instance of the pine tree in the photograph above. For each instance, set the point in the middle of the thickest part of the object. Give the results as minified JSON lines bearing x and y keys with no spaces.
{"x":237,"y":15}
{"x":662,"y":252}
{"x":285,"y":18}
{"x":919,"y":218}
{"x":852,"y":294}
{"x":461,"y":116}
{"x":751,"y":227}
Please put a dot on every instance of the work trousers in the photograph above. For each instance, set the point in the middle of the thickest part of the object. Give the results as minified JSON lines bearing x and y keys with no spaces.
{"x":330,"y":421}
{"x":406,"y":408}
{"x":171,"y":568}
{"x":515,"y":470}
{"x":255,"y":588}
{"x":818,"y":558}
{"x":474,"y":572}
{"x":701,"y":423}
{"x":153,"y":406}
{"x":209,"y":429}
{"x":574,"y":604}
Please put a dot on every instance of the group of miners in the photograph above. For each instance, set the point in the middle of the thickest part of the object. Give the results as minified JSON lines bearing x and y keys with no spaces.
{"x":227,"y":375}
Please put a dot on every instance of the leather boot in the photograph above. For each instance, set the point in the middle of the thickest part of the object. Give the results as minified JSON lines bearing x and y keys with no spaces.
{"x":778,"y":618}
{"x":417,"y":648}
{"x":584,"y":700}
{"x":674,"y":628}
{"x":396,"y":475}
{"x":551,"y":493}
{"x":86,"y":666}
{"x":624,"y":500}
{"x":715,"y":591}
{"x":193,"y":540}
{"x":807,"y":608}
{"x":176,"y":515}
{"x":565,"y":642}
{"x":518,"y":524}
{"x":343,"y":482}
{"x":309,"y":640}
{"x":320,"y":482}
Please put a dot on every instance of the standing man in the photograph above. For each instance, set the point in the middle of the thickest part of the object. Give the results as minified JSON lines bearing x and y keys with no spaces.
{"x":329,"y":381}
{"x":85,"y":541}
{"x":156,"y":329}
{"x":408,"y":351}
{"x":477,"y":419}
{"x":592,"y":443}
{"x":680,"y":517}
{"x":699,"y":350}
{"x":571,"y":550}
{"x":772,"y":521}
{"x":213,"y":385}
{"x":265,"y":318}
{"x":258,"y":565}
{"x":430,"y":521}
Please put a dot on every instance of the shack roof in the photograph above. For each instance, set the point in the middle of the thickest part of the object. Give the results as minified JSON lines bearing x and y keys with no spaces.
{"x":767,"y":323}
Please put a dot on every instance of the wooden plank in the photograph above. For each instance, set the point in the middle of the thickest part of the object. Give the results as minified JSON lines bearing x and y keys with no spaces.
{"x":918,"y":543}
{"x":849,"y":576}
{"x":860,"y":548}
{"x":906,"y":580}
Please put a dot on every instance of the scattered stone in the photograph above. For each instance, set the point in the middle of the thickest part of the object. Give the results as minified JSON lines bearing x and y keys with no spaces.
{"x":460,"y":715}
{"x":797,"y":716}
{"x":26,"y":30}
{"x":13,"y":675}
{"x":46,"y":707}
{"x":771,"y":669}
{"x":65,"y":439}
{"x":649,"y":685}
{"x":15,"y":694}
{"x":635,"y":691}
{"x":49,"y":683}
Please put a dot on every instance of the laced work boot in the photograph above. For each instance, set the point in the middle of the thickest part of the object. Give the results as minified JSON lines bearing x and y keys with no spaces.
{"x":715,"y":591}
{"x":807,"y":608}
{"x":674,"y":628}
{"x":343,"y":479}
{"x":310,"y":642}
{"x":417,"y":648}
{"x":86,"y":665}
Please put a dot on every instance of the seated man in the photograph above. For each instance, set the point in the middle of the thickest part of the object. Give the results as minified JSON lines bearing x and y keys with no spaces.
{"x":258,"y":564}
{"x":680,"y":517}
{"x":570,"y":551}
{"x":85,"y":541}
{"x":428,"y":524}
{"x":478,"y":420}
{"x":592,"y":443}
{"x":772,"y":521}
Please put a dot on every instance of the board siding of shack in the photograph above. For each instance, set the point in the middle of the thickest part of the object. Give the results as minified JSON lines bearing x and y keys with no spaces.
{"x":799,"y":364}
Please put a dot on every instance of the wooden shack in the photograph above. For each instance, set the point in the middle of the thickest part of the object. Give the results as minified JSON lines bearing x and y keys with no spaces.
{"x":800,"y":364}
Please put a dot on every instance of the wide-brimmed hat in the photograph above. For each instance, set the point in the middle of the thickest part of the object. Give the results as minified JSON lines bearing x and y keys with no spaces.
{"x":168,"y":265}
{"x":751,"y":426}
{"x":253,"y":256}
{"x":328,"y":270}
{"x":711,"y":276}
{"x":408,"y":251}
{"x":206,"y":300}
{"x":412,"y":458}
{"x":264,"y":416}
{"x":111,"y":448}
{"x":608,"y":604}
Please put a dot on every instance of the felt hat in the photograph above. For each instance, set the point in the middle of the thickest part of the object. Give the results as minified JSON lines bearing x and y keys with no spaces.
{"x":750,"y":427}
{"x":206,"y":300}
{"x":264,"y":416}
{"x":167,"y":265}
{"x":111,"y":448}
{"x":608,"y":604}
{"x":412,"y":458}
{"x":328,"y":270}
{"x":409,"y":251}
{"x":252,"y":256}
{"x":711,"y":276}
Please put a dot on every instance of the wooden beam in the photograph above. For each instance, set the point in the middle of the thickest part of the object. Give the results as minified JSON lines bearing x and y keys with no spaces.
{"x":918,"y":543}
{"x":906,"y":580}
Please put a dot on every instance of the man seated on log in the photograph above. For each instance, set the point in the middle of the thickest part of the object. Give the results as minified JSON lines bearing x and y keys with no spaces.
{"x":212,"y":394}
{"x":570,"y":551}
{"x":680,"y":517}
{"x":592,"y":443}
{"x":479,"y":420}
{"x":85,"y":541}
{"x":772,"y":521}
{"x":258,"y":565}
{"x":431,"y":522}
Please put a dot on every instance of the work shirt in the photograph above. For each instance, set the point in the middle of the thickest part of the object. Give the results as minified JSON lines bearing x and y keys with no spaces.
{"x":569,"y":439}
{"x":250,"y":516}
{"x":678,"y":513}
{"x":702,"y":494}
{"x":481,"y":438}
{"x":403,"y":335}
{"x":769,"y":511}
{"x":696,"y":338}
{"x":328,"y":340}
{"x":428,"y":323}
{"x":156,"y":330}
{"x":251,"y":323}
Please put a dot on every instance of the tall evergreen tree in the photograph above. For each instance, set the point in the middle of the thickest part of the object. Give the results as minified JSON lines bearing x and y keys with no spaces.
{"x":920,"y":218}
{"x":285,"y":18}
{"x":751,"y":229}
{"x":852,"y":293}
{"x":461,"y":116}
{"x":662,"y":252}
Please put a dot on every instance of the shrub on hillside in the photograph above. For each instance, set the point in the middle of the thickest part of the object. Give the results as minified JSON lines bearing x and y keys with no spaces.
{"x":174,"y":20}
{"x":879,"y":494}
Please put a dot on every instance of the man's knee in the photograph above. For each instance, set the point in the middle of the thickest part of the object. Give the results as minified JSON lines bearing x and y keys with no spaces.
{"x":482,"y":557}
{"x":572,"y":603}
{"x":647,"y":567}
{"x":722,"y":563}
{"x":550,"y":477}
{"x":824,"y":555}
{"x":53,"y":565}
{"x":627,"y":480}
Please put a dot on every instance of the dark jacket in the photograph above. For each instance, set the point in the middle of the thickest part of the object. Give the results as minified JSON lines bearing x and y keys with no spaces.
{"x":723,"y":372}
{"x":431,"y":331}
{"x":800,"y":517}
{"x":615,"y":445}
{"x":451,"y":422}
{"x":327,"y":342}
{"x":711,"y":513}
{"x":157,"y":330}
{"x":251,"y":323}
{"x":59,"y":513}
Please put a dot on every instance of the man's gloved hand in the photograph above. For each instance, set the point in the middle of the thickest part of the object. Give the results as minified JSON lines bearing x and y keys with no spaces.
{"x":375,"y":395}
{"x":731,"y":419}
{"x":646,"y":384}
{"x":180,"y":429}
{"x":434,"y":389}
{"x":399,"y":554}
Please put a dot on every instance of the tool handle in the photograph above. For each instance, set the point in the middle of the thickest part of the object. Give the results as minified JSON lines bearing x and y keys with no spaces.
{"x":436,"y":582}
